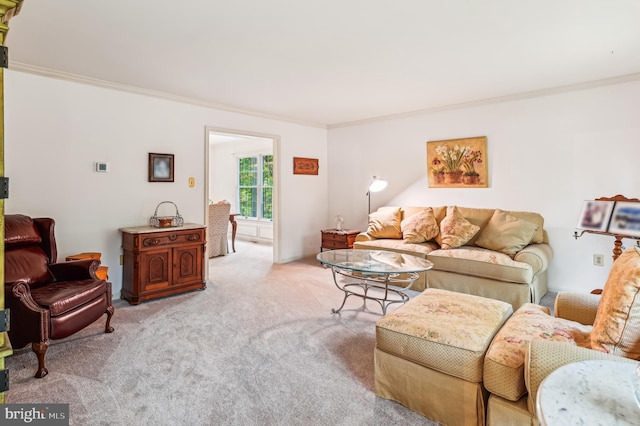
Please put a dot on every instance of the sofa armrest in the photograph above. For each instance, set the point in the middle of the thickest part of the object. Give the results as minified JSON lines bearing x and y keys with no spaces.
{"x":363,"y":236}
{"x":579,"y":307}
{"x":537,"y":255}
{"x":545,"y":356}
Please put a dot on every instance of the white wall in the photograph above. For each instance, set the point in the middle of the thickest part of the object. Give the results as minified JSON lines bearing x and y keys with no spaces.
{"x":545,"y":154}
{"x":55,"y":130}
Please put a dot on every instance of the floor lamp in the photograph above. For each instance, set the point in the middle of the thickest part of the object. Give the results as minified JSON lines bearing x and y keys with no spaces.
{"x":376,"y":185}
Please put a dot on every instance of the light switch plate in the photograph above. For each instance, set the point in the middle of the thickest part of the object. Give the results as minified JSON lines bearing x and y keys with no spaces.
{"x":101,"y":167}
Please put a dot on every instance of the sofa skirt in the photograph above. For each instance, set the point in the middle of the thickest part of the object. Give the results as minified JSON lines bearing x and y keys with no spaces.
{"x":503,"y":412}
{"x":514,"y":293}
{"x":438,"y":396}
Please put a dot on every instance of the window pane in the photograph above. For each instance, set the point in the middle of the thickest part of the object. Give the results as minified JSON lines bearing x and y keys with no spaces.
{"x":267,"y":205}
{"x":248,"y":202}
{"x":267,"y":170}
{"x":248,"y":171}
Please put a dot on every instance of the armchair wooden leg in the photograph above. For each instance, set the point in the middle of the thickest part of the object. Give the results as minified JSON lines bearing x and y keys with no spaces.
{"x":40,"y":349}
{"x":107,"y":327}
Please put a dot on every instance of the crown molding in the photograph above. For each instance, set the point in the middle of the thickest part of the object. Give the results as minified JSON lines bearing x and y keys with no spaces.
{"x":515,"y":97}
{"x":75,"y":78}
{"x":32,"y":69}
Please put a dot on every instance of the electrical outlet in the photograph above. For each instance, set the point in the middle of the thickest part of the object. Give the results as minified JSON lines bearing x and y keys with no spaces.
{"x":598,"y":259}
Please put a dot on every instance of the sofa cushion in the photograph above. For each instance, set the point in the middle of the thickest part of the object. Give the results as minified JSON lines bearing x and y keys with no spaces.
{"x":616,"y":329}
{"x":399,"y":246}
{"x":506,"y":233}
{"x":385,"y":223}
{"x":455,"y":230}
{"x":480,"y":262}
{"x":443,"y":330}
{"x":504,"y":362}
{"x":420,"y":227}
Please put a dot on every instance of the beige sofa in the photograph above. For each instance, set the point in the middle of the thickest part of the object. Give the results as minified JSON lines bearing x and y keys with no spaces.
{"x":503,"y":256}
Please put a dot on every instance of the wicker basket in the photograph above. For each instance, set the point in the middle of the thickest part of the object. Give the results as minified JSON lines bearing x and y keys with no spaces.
{"x":166,"y":221}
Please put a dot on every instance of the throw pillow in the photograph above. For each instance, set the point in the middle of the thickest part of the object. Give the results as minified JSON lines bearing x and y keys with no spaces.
{"x":420,"y":227}
{"x":385,"y":224}
{"x":455,"y":230}
{"x":616,"y":329}
{"x":506,"y":233}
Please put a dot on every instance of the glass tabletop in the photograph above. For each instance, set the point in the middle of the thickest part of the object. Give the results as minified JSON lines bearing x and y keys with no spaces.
{"x":376,"y":261}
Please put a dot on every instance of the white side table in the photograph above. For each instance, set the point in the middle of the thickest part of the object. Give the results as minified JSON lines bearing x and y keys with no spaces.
{"x":588,"y":393}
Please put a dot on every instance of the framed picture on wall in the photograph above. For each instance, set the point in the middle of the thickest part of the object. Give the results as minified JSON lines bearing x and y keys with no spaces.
{"x":305,"y":166}
{"x":160,"y":167}
{"x":625,"y":219}
{"x":595,"y":215}
{"x":457,"y":163}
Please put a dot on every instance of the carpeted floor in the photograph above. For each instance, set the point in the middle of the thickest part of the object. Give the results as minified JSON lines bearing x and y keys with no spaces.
{"x":259,"y":346}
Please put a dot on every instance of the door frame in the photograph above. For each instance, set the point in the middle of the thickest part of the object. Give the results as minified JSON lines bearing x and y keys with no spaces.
{"x":276,"y":179}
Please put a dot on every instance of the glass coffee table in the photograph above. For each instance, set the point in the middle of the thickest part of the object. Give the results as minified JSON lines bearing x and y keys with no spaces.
{"x":376,"y":275}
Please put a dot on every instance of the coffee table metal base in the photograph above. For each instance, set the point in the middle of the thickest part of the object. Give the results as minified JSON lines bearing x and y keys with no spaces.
{"x":373,"y":286}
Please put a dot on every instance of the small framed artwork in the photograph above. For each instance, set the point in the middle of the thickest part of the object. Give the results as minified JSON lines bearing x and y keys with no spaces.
{"x":625,"y":219}
{"x":305,"y":166}
{"x":160,"y":167}
{"x":595,"y":215}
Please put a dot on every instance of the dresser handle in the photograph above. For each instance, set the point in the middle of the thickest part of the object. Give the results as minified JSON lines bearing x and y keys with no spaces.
{"x":193,"y":237}
{"x":173,"y":237}
{"x":148,"y":242}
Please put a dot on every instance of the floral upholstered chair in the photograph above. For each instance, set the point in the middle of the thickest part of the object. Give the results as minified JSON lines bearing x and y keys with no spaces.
{"x":217,"y":229}
{"x":532,"y":343}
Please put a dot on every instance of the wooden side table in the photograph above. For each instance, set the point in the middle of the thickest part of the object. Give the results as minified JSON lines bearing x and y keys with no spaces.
{"x":338,"y":239}
{"x":102,"y":271}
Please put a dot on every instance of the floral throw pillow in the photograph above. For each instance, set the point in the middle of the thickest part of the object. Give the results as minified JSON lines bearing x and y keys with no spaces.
{"x":616,"y":329}
{"x":455,"y":230}
{"x":420,"y":227}
{"x":385,"y":224}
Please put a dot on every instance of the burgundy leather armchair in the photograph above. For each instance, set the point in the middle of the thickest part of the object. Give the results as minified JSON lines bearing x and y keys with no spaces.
{"x":48,"y":300}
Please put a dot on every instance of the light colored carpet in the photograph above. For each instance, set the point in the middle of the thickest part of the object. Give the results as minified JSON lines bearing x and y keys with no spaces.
{"x":259,"y":346}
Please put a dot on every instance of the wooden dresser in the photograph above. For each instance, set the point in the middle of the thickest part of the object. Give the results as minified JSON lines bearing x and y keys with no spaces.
{"x":160,"y":262}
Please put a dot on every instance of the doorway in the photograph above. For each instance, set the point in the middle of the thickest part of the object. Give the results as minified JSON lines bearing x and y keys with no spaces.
{"x":223,"y":149}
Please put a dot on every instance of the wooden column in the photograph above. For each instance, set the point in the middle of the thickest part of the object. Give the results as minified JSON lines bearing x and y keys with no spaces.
{"x":8,"y":9}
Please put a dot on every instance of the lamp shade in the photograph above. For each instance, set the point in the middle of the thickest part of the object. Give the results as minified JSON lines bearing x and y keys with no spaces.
{"x":377,"y":184}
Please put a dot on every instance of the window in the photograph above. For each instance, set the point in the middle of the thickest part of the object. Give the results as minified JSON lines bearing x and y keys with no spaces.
{"x":255,"y":186}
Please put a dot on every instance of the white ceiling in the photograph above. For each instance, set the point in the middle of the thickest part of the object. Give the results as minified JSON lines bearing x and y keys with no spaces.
{"x":331,"y":62}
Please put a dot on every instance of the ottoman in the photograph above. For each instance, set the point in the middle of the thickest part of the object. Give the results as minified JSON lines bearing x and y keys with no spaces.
{"x":429,"y":354}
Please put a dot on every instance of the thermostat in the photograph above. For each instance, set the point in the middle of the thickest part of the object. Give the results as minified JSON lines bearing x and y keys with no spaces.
{"x":101,"y":167}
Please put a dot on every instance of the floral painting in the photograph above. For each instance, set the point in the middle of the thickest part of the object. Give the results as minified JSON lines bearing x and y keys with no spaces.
{"x":457,"y":163}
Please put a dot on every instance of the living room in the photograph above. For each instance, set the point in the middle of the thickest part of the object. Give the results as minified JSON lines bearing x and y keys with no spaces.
{"x":548,"y":150}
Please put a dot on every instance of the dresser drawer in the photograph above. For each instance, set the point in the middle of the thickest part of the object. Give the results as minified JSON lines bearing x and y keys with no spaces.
{"x":334,"y":238}
{"x":335,"y":244}
{"x":163,"y":239}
